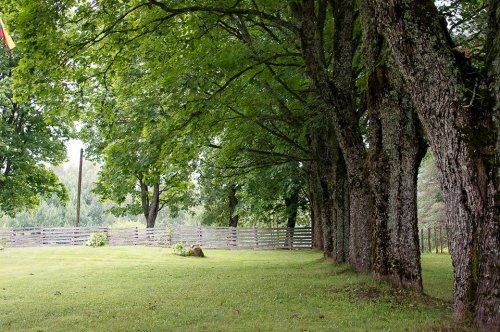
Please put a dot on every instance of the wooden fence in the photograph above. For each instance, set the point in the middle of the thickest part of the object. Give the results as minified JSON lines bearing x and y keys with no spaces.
{"x":207,"y":237}
{"x":244,"y":238}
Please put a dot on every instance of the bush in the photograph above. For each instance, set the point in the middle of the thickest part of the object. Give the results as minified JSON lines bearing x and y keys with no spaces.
{"x":180,"y":249}
{"x":97,"y":239}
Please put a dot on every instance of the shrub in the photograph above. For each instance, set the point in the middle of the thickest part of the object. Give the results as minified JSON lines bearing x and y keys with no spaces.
{"x":180,"y":249}
{"x":97,"y":239}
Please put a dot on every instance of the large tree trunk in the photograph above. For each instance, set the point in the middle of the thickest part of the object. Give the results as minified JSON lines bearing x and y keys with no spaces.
{"x":151,"y":206}
{"x":321,"y":185}
{"x":341,"y":209}
{"x":292,"y":207}
{"x":328,"y":183}
{"x":395,"y":154}
{"x":339,"y":96}
{"x":154,"y":207}
{"x":488,"y":303}
{"x":233,"y":201}
{"x":396,"y":149}
{"x":316,"y":223}
{"x":291,"y":210}
{"x":454,"y":124}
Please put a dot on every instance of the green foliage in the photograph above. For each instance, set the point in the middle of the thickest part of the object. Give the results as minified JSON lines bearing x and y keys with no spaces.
{"x":261,"y":196}
{"x":31,"y":138}
{"x":466,"y":21}
{"x":180,"y":249}
{"x":430,"y":204}
{"x":97,"y":239}
{"x":51,"y":213}
{"x":153,"y":111}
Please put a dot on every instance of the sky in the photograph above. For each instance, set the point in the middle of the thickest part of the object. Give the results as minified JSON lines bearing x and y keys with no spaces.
{"x":74,"y":147}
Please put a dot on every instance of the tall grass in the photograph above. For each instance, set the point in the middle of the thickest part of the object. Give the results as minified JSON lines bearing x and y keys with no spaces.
{"x":150,"y":289}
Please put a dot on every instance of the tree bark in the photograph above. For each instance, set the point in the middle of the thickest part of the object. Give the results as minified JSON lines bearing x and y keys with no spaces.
{"x":291,"y":208}
{"x":488,"y":303}
{"x":460,"y":139}
{"x":233,"y":201}
{"x":150,"y":207}
{"x":154,"y":207}
{"x":321,"y":185}
{"x":341,"y":209}
{"x":339,"y":96}
{"x":396,"y":149}
{"x":316,"y":224}
{"x":328,"y":185}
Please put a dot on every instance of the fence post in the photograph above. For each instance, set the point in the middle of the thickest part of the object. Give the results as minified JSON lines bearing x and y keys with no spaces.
{"x":13,"y":237}
{"x":255,"y":237}
{"x":149,"y":237}
{"x":232,"y":237}
{"x":136,"y":235}
{"x":105,"y":230}
{"x":290,"y":232}
{"x":167,"y":237}
{"x":199,"y":235}
{"x":76,"y":236}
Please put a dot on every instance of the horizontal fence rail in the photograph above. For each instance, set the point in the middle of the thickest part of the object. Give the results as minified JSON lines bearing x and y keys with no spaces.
{"x":206,"y":237}
{"x":244,"y":238}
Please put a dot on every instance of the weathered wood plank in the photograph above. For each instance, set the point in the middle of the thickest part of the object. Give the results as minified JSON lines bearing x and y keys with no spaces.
{"x":207,"y":237}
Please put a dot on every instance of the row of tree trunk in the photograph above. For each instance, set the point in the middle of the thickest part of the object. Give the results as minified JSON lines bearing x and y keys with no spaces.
{"x":363,"y":201}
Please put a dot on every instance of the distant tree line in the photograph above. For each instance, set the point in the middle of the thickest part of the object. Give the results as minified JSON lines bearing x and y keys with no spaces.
{"x":52,"y":212}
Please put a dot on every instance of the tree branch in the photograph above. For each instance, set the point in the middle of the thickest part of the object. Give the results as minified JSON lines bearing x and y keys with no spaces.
{"x":226,"y":11}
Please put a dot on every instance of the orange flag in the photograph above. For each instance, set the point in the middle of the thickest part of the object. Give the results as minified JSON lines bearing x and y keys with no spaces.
{"x":9,"y":43}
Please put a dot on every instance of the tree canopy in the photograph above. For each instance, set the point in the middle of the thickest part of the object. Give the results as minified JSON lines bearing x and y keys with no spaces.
{"x":31,"y":138}
{"x":336,"y":99}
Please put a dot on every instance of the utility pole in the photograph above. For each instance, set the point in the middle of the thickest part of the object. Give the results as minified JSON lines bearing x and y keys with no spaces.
{"x":79,"y":195}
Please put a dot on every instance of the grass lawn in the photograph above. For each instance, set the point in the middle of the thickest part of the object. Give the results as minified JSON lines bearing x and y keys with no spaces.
{"x":150,"y":289}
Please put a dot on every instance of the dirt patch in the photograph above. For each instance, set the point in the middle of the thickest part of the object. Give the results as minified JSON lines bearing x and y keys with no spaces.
{"x":370,"y":293}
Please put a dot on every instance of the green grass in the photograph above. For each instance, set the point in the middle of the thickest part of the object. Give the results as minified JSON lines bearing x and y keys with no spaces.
{"x":150,"y":289}
{"x":437,"y":275}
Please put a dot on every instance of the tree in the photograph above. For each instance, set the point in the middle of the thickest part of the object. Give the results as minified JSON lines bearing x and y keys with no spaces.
{"x":396,"y":147}
{"x":51,"y":213}
{"x":31,"y":138}
{"x":431,"y":207}
{"x":282,"y":35}
{"x":137,"y":173}
{"x":337,"y":87}
{"x":139,"y":37}
{"x":317,"y":44}
{"x":458,"y":113}
{"x":267,"y":196}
